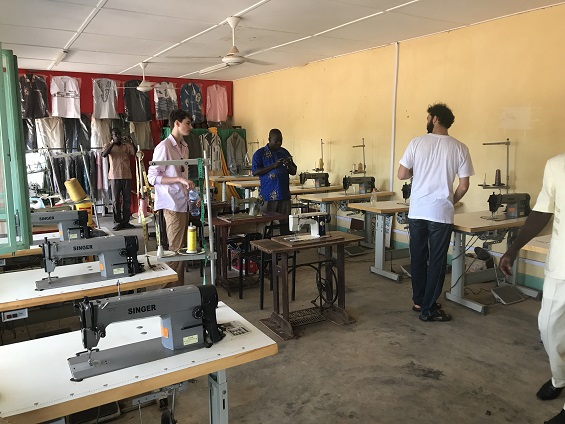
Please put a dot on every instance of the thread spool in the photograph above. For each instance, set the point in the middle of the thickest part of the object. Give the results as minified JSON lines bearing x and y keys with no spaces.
{"x":360,"y":167}
{"x":320,"y":164}
{"x":497,"y":180}
{"x":191,"y":239}
{"x":76,"y":192}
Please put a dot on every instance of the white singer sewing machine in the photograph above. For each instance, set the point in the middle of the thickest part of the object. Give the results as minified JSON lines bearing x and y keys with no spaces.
{"x":316,"y":220}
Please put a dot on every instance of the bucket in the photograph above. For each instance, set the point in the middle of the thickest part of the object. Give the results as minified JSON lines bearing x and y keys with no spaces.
{"x":86,"y":206}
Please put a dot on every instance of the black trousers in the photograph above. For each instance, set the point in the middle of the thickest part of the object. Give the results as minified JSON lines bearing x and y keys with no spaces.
{"x":121,"y":195}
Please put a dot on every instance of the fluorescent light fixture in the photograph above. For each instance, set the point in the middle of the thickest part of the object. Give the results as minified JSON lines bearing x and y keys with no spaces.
{"x":58,"y":59}
{"x":401,"y":5}
{"x":214,"y":68}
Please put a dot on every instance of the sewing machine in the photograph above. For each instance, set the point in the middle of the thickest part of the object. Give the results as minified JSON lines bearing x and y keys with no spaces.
{"x":117,"y":257}
{"x":253,"y":202}
{"x":366,"y":184}
{"x":72,"y":224}
{"x":316,"y":220}
{"x":188,"y":322}
{"x":321,"y":179}
{"x":517,"y":204}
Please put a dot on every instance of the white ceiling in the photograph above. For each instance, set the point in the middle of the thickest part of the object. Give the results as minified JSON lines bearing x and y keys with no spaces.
{"x":113,"y":36}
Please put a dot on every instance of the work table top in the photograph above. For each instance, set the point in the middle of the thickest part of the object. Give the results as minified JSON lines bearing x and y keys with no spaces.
{"x":382,"y":207}
{"x":475,"y":222}
{"x":341,"y":195}
{"x":271,"y":246}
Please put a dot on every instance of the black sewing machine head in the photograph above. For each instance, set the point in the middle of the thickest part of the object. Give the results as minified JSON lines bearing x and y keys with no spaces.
{"x":366,"y":184}
{"x":517,"y":204}
{"x":321,"y":179}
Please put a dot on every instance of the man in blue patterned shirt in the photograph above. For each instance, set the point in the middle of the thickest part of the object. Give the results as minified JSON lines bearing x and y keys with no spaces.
{"x":273,"y":164}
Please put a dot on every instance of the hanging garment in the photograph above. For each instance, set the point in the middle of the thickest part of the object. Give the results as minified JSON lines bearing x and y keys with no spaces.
{"x":165,"y":99}
{"x":30,"y":134}
{"x":33,"y":89}
{"x":141,"y":135}
{"x":191,"y":101}
{"x":65,"y":97}
{"x":100,"y":132}
{"x":136,"y":103}
{"x":50,"y":133}
{"x":105,"y":93}
{"x":216,"y":103}
{"x":236,"y":150}
{"x":194,"y":152}
{"x":212,"y":144}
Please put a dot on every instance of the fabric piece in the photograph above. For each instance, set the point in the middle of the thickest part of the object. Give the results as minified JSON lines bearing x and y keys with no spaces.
{"x":236,"y":150}
{"x":194,"y":152}
{"x":436,"y":160}
{"x":136,"y":103}
{"x":216,"y":103}
{"x":33,"y":89}
{"x":191,"y":101}
{"x":50,"y":133}
{"x":165,"y":99}
{"x":65,"y":97}
{"x":176,"y":224}
{"x":105,"y":94}
{"x":551,"y":199}
{"x":173,"y":196}
{"x":100,"y":132}
{"x":141,"y":135}
{"x":274,"y":184}
{"x":120,"y":168}
{"x":30,"y":134}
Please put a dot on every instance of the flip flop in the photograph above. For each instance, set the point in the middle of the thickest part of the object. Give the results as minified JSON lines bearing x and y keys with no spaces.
{"x":439,"y":316}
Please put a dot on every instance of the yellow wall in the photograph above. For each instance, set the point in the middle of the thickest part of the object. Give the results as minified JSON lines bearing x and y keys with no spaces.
{"x":502,"y":79}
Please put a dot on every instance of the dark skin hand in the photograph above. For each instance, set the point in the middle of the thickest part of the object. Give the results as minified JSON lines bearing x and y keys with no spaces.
{"x":275,"y":144}
{"x":116,"y":140}
{"x":534,"y":224}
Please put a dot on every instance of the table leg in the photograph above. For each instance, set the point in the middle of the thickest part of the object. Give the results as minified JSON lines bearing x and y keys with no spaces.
{"x":380,"y":249}
{"x":368,"y":218}
{"x":218,"y":401}
{"x":283,"y":273}
{"x":340,"y":286}
{"x":275,"y":280}
{"x":457,"y":291}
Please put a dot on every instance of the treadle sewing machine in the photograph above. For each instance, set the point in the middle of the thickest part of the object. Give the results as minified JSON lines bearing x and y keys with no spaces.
{"x":321,"y":179}
{"x":316,"y":220}
{"x":366,"y":184}
{"x":188,"y":322}
{"x":517,"y":204}
{"x":253,"y":203}
{"x":117,"y":257}
{"x":72,"y":224}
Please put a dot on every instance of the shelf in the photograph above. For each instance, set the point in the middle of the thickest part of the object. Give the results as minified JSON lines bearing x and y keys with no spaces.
{"x":488,"y":186}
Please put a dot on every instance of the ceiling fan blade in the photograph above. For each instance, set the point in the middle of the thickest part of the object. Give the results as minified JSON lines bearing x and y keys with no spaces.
{"x":257,"y":62}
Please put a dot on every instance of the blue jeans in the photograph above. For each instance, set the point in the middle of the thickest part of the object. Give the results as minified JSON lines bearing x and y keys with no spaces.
{"x":429,"y":243}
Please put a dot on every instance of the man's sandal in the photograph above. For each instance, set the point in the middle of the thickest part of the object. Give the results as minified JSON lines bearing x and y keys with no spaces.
{"x":416,"y":308}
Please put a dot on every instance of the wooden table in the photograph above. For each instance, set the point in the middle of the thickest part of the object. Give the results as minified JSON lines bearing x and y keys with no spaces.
{"x":282,"y":324}
{"x":326,"y":199}
{"x":36,"y":383}
{"x":538,"y":244}
{"x":475,"y":224}
{"x":382,"y":210}
{"x":298,"y":190}
{"x":223,"y":179}
{"x":17,"y":289}
{"x":222,"y":230}
{"x":249,"y":186}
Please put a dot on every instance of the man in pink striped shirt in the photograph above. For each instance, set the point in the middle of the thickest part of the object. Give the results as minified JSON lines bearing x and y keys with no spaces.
{"x":172,"y":185}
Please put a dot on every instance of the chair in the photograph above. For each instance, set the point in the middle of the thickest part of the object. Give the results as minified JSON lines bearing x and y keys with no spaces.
{"x":244,"y":255}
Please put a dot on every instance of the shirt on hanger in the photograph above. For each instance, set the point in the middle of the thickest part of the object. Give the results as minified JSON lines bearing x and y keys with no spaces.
{"x":34,"y":96}
{"x":165,"y":99}
{"x":105,"y":95}
{"x":50,"y":133}
{"x":191,"y":101}
{"x":217,"y":103}
{"x":137,"y":105}
{"x":65,"y":92}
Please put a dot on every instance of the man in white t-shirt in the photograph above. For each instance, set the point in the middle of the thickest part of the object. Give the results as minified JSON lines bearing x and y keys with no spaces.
{"x":433,"y":161}
{"x":551,"y":319}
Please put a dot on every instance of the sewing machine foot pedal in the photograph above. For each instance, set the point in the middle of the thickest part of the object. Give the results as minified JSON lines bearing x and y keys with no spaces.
{"x":406,"y":270}
{"x":354,"y":250}
{"x":507,"y":295}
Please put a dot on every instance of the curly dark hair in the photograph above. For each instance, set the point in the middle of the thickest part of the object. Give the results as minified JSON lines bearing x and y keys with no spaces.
{"x":177,"y":115}
{"x":444,"y":114}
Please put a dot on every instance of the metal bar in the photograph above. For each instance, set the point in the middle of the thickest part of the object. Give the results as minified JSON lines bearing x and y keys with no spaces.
{"x":218,"y":397}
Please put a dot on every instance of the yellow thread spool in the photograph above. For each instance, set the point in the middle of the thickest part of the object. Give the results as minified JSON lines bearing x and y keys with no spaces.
{"x":76,"y":192}
{"x":191,"y":239}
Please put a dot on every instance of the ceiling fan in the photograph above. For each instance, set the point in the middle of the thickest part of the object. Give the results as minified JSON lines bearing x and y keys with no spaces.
{"x":144,"y":86}
{"x":233,"y":57}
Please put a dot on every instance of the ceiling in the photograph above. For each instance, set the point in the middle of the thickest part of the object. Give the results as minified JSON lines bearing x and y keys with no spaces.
{"x":180,"y":37}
